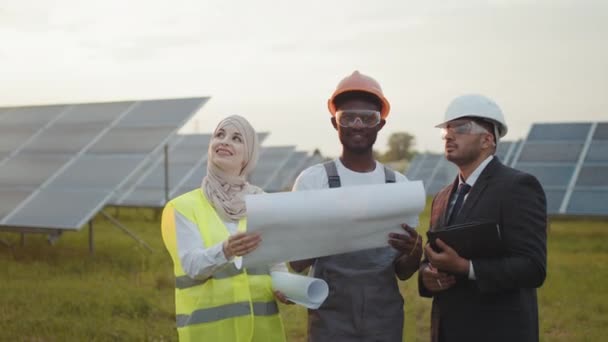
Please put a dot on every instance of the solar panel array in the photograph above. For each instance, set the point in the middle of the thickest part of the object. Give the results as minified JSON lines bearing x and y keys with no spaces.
{"x":571,"y":162}
{"x":61,"y":163}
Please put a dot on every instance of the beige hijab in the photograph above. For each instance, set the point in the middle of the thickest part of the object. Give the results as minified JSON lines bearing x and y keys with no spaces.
{"x":227,"y":192}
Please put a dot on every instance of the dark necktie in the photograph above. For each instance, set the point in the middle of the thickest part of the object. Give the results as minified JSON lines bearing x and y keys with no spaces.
{"x":463,"y":190}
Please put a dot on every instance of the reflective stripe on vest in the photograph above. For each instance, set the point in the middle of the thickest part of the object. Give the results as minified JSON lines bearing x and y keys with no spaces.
{"x":227,"y":311}
{"x":184,"y":282}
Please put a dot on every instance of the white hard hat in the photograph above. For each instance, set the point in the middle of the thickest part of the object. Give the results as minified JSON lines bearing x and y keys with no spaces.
{"x":479,"y":106}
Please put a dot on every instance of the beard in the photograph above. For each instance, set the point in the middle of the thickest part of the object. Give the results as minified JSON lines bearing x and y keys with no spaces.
{"x":363,"y":147}
{"x":464,"y":156}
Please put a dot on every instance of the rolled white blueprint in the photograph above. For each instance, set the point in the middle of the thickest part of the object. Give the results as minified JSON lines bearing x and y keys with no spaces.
{"x":306,"y":291}
{"x":314,"y":223}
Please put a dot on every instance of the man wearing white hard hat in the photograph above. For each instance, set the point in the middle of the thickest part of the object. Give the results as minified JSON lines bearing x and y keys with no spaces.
{"x":485,"y":299}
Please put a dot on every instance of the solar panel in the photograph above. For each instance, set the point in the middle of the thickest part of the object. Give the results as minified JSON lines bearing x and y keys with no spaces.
{"x":62,"y":209}
{"x":68,"y":159}
{"x":63,"y":139}
{"x":12,"y":137}
{"x":153,"y":197}
{"x":570,"y":161}
{"x":94,"y":113}
{"x":96,"y":172}
{"x":131,"y":139}
{"x":601,"y":131}
{"x":588,"y":202}
{"x":568,"y":152}
{"x":160,"y":112}
{"x":555,"y":198}
{"x":192,"y":182}
{"x":315,"y":159}
{"x":549,"y":175}
{"x":35,"y":116}
{"x":590,"y":192}
{"x":272,"y":160}
{"x":11,"y":197}
{"x":503,"y":149}
{"x":551,"y":152}
{"x":559,"y":131}
{"x":593,"y":176}
{"x":507,"y":150}
{"x":428,"y":165}
{"x":598,"y":151}
{"x":412,"y":169}
{"x":30,"y":169}
{"x":433,"y":170}
{"x":156,"y":178}
{"x":284,"y":179}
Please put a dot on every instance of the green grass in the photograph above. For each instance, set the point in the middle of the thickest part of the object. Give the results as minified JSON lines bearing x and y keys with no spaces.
{"x":125,"y":293}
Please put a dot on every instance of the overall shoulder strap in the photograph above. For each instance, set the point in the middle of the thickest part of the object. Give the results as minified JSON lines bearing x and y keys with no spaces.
{"x":333,"y":178}
{"x":389,"y":175}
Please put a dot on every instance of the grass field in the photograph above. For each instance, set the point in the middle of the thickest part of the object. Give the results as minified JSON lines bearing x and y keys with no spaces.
{"x":125,"y":293}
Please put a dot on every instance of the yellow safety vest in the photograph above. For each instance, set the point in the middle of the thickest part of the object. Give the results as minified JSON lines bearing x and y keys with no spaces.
{"x":231,"y":305}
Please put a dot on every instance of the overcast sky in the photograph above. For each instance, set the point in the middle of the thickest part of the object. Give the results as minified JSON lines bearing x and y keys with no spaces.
{"x":277,"y":62}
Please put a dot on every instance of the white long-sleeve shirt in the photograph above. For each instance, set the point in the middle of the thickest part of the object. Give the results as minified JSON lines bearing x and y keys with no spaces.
{"x":198,"y":261}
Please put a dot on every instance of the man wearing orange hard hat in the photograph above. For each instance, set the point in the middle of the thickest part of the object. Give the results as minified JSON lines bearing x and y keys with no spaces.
{"x":364,"y":303}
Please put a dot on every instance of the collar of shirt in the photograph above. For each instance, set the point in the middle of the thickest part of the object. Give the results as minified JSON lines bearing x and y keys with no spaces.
{"x":475,"y":175}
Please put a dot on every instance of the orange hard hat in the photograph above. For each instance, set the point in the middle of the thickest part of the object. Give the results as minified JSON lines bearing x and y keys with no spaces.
{"x":359,"y":82}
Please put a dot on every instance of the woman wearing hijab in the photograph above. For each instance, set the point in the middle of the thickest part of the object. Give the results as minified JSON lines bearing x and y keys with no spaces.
{"x":205,"y":233}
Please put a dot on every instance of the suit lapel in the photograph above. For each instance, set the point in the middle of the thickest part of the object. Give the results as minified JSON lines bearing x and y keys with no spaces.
{"x":445,"y":209}
{"x":477,"y":190}
{"x":440,"y":206}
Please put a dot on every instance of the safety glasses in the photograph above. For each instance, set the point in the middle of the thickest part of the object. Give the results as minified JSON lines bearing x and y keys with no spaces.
{"x":365,"y":118}
{"x":462,"y":127}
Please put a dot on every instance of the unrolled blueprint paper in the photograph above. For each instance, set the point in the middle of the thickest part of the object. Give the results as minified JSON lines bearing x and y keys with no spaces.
{"x":306,"y":291}
{"x":314,"y":223}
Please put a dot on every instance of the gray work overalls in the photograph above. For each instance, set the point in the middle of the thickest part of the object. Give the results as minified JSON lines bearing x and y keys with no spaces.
{"x":364,"y":303}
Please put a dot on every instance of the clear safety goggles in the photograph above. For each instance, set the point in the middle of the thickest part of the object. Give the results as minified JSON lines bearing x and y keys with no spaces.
{"x":462,"y":127}
{"x":350,"y":117}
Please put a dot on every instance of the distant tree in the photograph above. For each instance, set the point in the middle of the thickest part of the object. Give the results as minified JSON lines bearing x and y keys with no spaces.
{"x":400,"y":146}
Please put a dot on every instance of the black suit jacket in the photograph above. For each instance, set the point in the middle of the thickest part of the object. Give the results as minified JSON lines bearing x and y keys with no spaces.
{"x":501,"y":304}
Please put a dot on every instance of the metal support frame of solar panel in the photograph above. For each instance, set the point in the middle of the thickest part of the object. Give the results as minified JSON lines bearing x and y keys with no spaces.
{"x":272,"y":160}
{"x":567,"y":158}
{"x":187,"y":155}
{"x":77,"y":155}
